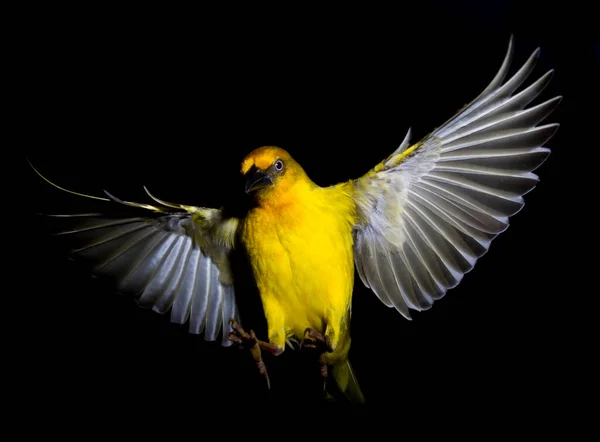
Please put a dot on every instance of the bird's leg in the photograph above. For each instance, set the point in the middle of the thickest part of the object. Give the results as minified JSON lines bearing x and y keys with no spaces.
{"x":317,"y":341}
{"x":240,"y":336}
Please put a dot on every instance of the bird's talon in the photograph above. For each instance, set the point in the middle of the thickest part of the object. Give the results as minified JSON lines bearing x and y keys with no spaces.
{"x":240,"y":336}
{"x":316,"y":339}
{"x":234,"y":338}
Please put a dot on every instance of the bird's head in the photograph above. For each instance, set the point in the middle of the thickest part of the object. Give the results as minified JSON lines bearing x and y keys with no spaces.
{"x":271,"y":173}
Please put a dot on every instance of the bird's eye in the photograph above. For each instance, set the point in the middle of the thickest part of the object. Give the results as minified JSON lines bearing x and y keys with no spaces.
{"x":278,"y":165}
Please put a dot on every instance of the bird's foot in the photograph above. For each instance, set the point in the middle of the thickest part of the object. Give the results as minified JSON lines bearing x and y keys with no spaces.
{"x":240,"y":336}
{"x":315,"y":340}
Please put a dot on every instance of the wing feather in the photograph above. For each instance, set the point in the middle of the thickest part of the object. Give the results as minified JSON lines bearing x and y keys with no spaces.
{"x":183,"y":301}
{"x":169,"y":260}
{"x":429,"y":211}
{"x":215,"y":301}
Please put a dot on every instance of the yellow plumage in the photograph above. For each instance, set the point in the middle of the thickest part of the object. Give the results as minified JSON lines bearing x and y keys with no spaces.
{"x":412,"y":227}
{"x":297,"y":231}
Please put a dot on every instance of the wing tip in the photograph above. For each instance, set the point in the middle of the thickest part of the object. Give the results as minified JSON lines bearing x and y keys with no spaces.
{"x":551,"y":127}
{"x":62,"y":188}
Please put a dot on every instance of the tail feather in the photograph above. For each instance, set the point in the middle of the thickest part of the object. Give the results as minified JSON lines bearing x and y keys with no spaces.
{"x":347,"y":383}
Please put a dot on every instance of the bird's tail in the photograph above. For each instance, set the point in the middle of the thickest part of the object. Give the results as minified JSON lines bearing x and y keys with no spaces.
{"x":346,"y":380}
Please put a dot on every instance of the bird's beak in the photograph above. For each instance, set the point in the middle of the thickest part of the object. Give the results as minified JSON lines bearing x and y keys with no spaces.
{"x":257,"y":179}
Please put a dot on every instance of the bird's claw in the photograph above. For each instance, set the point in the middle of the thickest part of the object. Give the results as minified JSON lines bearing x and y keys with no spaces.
{"x":240,"y":336}
{"x":314,"y":339}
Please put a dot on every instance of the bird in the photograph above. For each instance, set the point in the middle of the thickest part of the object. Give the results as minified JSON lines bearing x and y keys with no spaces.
{"x":411,"y":227}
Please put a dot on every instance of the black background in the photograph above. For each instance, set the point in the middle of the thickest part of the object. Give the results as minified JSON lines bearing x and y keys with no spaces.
{"x":116,"y":98}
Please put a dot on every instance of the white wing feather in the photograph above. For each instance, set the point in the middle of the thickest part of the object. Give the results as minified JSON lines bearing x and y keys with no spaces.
{"x":429,"y":211}
{"x":173,"y":260}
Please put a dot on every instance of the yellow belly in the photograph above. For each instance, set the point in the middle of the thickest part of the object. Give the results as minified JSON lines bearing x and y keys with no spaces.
{"x":303,"y":265}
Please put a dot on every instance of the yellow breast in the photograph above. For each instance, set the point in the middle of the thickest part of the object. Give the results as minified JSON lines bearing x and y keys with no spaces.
{"x":301,"y":254}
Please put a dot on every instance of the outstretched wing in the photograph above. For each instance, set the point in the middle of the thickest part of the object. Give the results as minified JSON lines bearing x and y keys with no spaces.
{"x":173,"y":258}
{"x":429,"y":211}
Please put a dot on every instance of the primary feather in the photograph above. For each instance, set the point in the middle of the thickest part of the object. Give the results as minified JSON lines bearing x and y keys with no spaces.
{"x":169,"y":260}
{"x":429,"y":211}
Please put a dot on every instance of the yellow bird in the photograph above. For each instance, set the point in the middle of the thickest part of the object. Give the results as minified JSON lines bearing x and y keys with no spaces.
{"x":412,"y":227}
